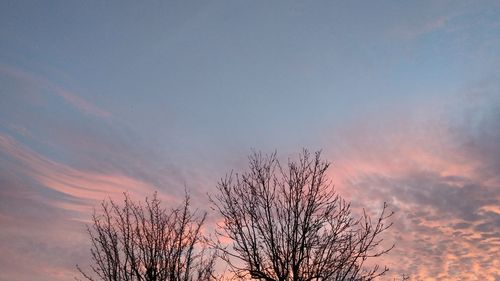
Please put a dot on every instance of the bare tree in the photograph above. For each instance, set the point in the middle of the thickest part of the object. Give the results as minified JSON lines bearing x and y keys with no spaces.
{"x":289,"y":224}
{"x":135,"y":242}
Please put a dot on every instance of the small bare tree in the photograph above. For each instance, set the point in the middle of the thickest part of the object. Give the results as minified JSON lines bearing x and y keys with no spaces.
{"x":289,"y":224}
{"x":135,"y":242}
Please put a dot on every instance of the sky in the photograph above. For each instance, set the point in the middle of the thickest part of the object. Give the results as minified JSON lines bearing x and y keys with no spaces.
{"x":102,"y":97}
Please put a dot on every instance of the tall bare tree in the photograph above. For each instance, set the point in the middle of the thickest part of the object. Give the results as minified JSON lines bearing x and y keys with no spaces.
{"x":289,"y":224}
{"x":136,"y":242}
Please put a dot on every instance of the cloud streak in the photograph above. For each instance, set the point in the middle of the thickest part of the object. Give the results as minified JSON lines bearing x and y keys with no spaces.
{"x":82,"y":186}
{"x":41,"y":83}
{"x":46,"y":236}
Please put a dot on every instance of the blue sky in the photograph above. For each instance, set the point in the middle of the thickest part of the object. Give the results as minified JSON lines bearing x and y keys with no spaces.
{"x":157,"y":96}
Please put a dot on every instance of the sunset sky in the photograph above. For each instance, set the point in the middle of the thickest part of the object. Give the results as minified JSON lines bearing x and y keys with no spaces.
{"x":403,"y":97}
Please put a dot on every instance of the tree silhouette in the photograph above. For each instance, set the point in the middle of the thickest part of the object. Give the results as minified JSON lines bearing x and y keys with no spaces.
{"x":135,"y":242}
{"x":289,"y":224}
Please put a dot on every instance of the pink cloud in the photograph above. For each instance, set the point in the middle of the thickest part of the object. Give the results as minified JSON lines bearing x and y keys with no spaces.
{"x":448,"y":219}
{"x":42,"y":83}
{"x":85,"y":186}
{"x":42,"y":234}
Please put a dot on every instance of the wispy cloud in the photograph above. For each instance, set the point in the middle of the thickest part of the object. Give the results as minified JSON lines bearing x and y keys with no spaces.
{"x":41,"y":83}
{"x":80,"y":187}
{"x":46,"y":236}
{"x":80,"y":103}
